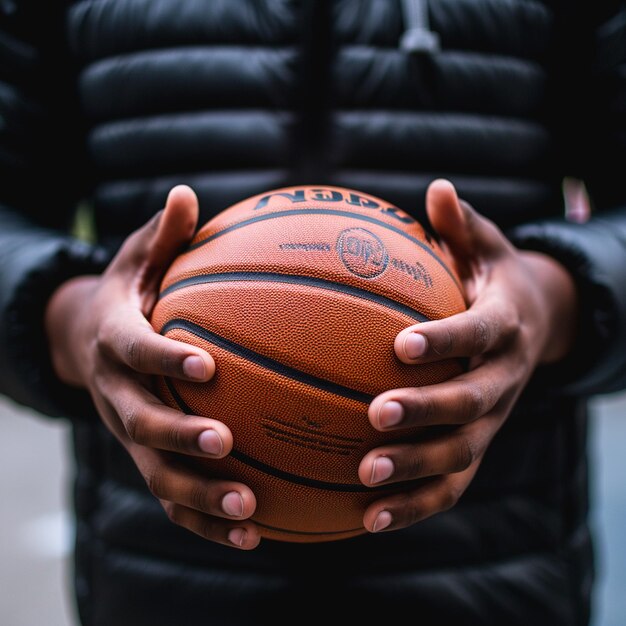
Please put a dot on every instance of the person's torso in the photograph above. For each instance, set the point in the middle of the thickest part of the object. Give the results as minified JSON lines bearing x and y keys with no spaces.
{"x":236,"y":97}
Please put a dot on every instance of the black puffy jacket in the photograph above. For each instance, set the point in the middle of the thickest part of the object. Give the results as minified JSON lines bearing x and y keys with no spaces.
{"x":108,"y":103}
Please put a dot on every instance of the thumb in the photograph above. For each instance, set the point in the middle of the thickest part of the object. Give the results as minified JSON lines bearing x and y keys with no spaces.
{"x":154,"y":246}
{"x":175,"y":228}
{"x":447,"y":216}
{"x":464,"y":232}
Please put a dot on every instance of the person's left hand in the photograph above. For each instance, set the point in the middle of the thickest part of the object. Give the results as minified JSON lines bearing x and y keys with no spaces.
{"x":522,"y":311}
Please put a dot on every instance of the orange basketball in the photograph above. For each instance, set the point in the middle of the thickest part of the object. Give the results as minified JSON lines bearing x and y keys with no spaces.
{"x":298,"y":294}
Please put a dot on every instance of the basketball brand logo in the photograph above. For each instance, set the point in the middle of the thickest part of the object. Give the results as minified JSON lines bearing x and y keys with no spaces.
{"x":362,"y":252}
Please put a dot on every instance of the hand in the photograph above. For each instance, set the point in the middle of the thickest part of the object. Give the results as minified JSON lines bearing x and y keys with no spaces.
{"x":521,"y":312}
{"x":100,"y":339}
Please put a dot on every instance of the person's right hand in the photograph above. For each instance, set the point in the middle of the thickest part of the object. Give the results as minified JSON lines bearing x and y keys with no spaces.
{"x":100,"y":339}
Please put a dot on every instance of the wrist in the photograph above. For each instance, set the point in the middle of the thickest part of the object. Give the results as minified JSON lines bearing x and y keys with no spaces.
{"x":561,"y":304}
{"x":64,"y":321}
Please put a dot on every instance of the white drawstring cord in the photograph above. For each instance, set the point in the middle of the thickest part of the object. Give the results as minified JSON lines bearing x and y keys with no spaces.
{"x":417,"y":36}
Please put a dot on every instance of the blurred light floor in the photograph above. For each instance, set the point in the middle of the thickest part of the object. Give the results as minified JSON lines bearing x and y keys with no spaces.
{"x":35,"y":528}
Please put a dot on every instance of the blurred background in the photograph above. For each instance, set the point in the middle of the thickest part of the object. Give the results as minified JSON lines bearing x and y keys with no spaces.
{"x":36,"y":527}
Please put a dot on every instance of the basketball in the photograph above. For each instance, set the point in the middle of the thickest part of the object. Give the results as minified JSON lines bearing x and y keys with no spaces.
{"x":298,"y":294}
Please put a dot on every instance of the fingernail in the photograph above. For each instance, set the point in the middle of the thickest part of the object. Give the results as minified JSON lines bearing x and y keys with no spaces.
{"x":193,"y":367}
{"x":415,"y":345}
{"x":237,"y":536}
{"x":383,"y":519}
{"x":382,"y":469}
{"x":210,"y":442}
{"x":232,"y":504}
{"x":390,"y":414}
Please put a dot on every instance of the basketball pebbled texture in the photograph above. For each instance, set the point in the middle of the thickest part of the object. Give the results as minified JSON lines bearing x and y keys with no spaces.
{"x":298,"y":294}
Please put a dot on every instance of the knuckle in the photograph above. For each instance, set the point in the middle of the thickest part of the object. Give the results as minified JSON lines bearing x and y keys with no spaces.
{"x":131,"y":418}
{"x":422,"y":405}
{"x":99,"y":377}
{"x":491,"y":392}
{"x":198,"y":497}
{"x":131,"y":424}
{"x":101,"y":341}
{"x":104,"y":337}
{"x":481,"y":333}
{"x":464,"y":454}
{"x":175,"y":438}
{"x":417,"y":464}
{"x":172,"y":511}
{"x":169,"y":363}
{"x":144,"y":355}
{"x":510,"y":319}
{"x":133,"y":351}
{"x":156,"y":484}
{"x":428,"y":407}
{"x":404,"y":506}
{"x":473,"y":401}
{"x":450,"y":497}
{"x":444,"y":343}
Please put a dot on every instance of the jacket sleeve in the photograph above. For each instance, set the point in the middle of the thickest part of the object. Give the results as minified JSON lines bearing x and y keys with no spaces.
{"x":592,"y":112}
{"x":595,"y":254}
{"x":41,"y":184}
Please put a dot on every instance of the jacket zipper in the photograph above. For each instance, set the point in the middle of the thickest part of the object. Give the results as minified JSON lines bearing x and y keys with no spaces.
{"x":313,"y":93}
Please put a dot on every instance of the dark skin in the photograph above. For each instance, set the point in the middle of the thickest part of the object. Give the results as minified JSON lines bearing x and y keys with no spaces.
{"x":521,"y":313}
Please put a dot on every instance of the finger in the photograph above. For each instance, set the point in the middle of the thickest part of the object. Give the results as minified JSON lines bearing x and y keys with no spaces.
{"x":109,"y":416}
{"x":153,"y":246}
{"x":243,"y":535}
{"x":193,"y":487}
{"x":490,"y":323}
{"x":149,"y":422}
{"x":460,"y":400}
{"x":432,"y":496}
{"x":464,"y":231}
{"x":128,"y":338}
{"x":446,"y":453}
{"x":221,"y":500}
{"x":446,"y":214}
{"x":176,"y":227}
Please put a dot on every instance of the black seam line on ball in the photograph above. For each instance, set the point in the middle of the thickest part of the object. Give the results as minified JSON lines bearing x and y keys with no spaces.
{"x":273,"y":471}
{"x":266,"y":362}
{"x":309,"y":281}
{"x":356,"y":216}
